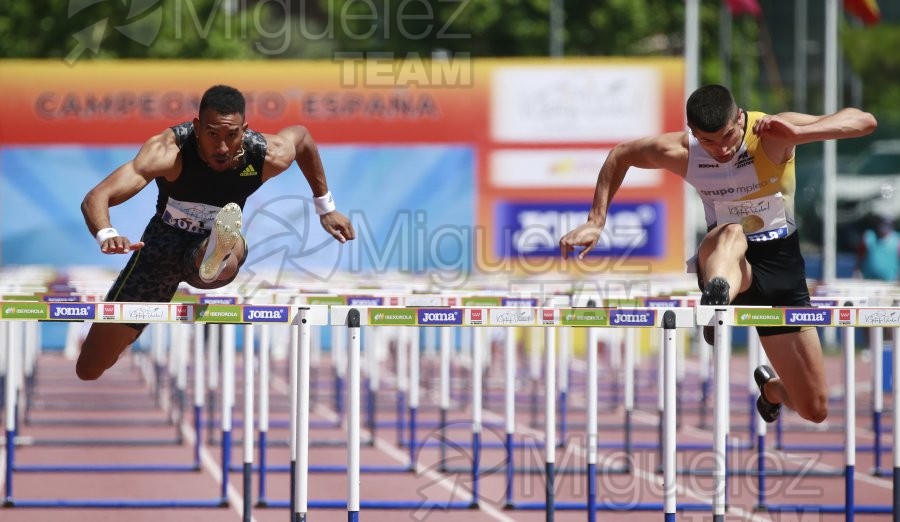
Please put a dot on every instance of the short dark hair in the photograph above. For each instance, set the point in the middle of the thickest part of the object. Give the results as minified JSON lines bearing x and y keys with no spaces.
{"x":710,"y":108}
{"x":223,"y":99}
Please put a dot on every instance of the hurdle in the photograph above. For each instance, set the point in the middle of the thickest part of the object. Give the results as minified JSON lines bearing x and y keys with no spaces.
{"x":346,"y":317}
{"x":40,"y":311}
{"x":412,"y":410}
{"x":847,"y":318}
{"x":876,"y":348}
{"x":73,"y":304}
{"x":176,"y":313}
{"x":179,"y":361}
{"x":540,"y":317}
{"x":408,"y":349}
{"x":300,"y":503}
{"x":509,"y":471}
{"x":629,"y":362}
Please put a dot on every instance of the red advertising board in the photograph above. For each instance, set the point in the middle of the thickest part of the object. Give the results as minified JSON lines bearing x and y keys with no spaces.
{"x":540,"y":130}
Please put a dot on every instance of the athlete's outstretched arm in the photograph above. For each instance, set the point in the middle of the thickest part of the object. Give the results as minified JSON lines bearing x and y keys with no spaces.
{"x":156,"y":158}
{"x":667,"y":151}
{"x":782,"y":132}
{"x":296,"y":144}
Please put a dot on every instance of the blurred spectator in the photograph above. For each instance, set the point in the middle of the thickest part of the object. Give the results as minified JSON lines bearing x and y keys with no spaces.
{"x":878,"y":253}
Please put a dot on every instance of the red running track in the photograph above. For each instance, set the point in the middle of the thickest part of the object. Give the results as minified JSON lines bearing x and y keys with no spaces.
{"x":116,"y":421}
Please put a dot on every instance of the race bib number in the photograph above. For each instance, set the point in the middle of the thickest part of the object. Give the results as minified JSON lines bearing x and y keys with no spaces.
{"x":195,"y":218}
{"x":762,"y":219}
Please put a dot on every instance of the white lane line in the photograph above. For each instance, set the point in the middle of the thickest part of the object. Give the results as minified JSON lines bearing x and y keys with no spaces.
{"x":211,"y":466}
{"x":649,"y":476}
{"x":448,"y":483}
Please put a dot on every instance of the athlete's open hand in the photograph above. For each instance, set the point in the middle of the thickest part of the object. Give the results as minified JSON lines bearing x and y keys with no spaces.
{"x":120,"y":245}
{"x":773,"y":126}
{"x":585,"y":235}
{"x":338,"y":226}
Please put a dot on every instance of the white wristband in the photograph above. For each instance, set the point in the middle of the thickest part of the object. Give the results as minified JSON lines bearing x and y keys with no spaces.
{"x":104,"y":234}
{"x":324,"y":204}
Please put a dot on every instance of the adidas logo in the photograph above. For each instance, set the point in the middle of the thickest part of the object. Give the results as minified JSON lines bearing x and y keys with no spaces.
{"x":249,"y":171}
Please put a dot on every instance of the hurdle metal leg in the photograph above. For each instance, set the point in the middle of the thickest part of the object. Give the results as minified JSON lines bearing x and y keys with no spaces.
{"x":228,"y":367}
{"x":720,"y":429}
{"x":849,"y":420}
{"x":896,"y":423}
{"x":509,"y":353}
{"x":353,"y":441}
{"x":12,"y":364}
{"x":669,"y":415}
{"x":301,"y":401}
{"x":199,"y":391}
{"x":876,"y":345}
{"x":446,"y":345}
{"x":592,"y":424}
{"x":550,"y":420}
{"x":413,"y":395}
{"x":477,"y":361}
{"x":265,"y":345}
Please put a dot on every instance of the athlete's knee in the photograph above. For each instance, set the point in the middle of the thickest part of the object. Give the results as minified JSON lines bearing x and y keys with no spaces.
{"x":88,"y":370}
{"x":728,"y":238}
{"x":102,"y":348}
{"x":732,"y":234}
{"x":813,"y":408}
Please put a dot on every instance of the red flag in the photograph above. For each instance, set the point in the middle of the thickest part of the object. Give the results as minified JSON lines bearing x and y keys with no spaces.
{"x":750,"y":7}
{"x":865,"y":10}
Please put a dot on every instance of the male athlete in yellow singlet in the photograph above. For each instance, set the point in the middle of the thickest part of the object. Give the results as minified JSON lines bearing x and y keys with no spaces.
{"x":742,"y":165}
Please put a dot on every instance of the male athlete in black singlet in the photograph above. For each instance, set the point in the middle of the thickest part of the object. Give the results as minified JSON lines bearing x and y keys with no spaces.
{"x":742,"y":165}
{"x":205,"y":170}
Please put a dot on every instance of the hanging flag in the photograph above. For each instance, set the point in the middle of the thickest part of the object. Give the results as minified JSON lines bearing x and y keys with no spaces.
{"x":865,"y":10}
{"x":750,"y":7}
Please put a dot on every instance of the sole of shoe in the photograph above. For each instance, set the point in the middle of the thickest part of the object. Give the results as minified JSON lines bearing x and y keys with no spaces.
{"x":225,"y":234}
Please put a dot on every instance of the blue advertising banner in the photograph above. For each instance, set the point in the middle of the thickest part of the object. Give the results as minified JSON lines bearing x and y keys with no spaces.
{"x":633,"y":229}
{"x":402,"y":200}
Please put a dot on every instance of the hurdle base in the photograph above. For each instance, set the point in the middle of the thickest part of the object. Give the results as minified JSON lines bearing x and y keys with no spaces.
{"x":756,"y":473}
{"x":378,"y":504}
{"x":114,"y":504}
{"x":832,"y":509}
{"x":610,"y":506}
{"x":611,"y":470}
{"x":19,"y":440}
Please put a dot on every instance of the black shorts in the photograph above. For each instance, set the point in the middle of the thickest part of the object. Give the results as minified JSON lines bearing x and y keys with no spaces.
{"x":779,"y":279}
{"x":153,"y":273}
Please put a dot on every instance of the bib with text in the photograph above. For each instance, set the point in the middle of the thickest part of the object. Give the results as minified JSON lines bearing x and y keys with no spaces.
{"x":196,"y":218}
{"x":762,"y":219}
